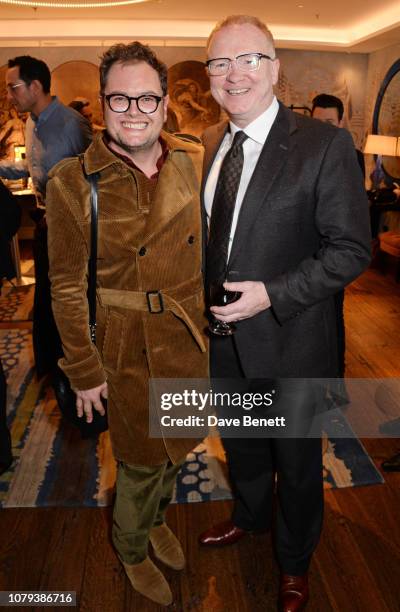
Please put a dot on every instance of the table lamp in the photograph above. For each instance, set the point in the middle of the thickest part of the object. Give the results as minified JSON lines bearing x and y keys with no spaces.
{"x":380,"y":145}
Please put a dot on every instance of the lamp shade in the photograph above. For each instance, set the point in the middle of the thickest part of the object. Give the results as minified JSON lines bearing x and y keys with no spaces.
{"x":381,"y":145}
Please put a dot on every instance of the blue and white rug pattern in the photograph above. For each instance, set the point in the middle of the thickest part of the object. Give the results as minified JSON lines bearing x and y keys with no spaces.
{"x":53,"y":466}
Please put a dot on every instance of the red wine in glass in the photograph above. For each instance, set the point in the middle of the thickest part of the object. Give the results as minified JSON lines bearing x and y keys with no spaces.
{"x":219,"y":296}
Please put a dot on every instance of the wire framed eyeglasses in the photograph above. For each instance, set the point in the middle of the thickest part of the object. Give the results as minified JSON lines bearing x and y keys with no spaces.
{"x":247,"y":62}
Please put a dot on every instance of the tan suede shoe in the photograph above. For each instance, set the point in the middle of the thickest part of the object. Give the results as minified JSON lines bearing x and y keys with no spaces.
{"x":167,"y":547}
{"x":147,"y":579}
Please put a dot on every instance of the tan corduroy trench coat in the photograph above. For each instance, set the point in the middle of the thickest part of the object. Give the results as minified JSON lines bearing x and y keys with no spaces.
{"x":142,"y":247}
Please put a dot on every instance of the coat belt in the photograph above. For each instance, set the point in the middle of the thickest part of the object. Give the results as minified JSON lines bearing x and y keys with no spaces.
{"x":156,"y":301}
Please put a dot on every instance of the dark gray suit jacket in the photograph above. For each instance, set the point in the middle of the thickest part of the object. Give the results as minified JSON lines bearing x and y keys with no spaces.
{"x":303,"y":230}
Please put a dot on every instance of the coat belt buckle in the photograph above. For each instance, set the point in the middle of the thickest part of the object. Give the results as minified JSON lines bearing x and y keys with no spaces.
{"x":149,"y":296}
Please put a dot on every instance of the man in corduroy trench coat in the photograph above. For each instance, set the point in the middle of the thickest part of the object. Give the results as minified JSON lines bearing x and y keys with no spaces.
{"x":149,"y":249}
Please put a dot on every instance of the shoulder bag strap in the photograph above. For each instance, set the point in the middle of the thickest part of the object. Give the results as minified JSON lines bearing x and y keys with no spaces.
{"x":92,"y":265}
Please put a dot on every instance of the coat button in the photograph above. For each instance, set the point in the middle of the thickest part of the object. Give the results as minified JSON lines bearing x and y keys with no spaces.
{"x":142,"y":251}
{"x":191,"y":239}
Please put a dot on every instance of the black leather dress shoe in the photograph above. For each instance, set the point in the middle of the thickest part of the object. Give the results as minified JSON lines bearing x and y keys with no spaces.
{"x":222,"y":534}
{"x":392,"y":464}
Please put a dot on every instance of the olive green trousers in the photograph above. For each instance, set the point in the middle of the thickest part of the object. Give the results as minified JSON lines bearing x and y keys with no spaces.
{"x":142,"y":497}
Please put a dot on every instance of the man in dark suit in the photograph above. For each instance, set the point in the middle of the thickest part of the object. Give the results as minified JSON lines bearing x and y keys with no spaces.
{"x":299,"y":234}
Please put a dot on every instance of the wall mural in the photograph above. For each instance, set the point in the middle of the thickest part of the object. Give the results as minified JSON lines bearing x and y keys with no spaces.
{"x":303,"y":92}
{"x":3,"y":91}
{"x":12,"y":124}
{"x":78,"y":80}
{"x":304,"y":74}
{"x":191,"y":102}
{"x":192,"y":108}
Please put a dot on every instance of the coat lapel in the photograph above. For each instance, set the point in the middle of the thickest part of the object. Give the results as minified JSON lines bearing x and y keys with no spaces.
{"x":176,"y":184}
{"x":175,"y":187}
{"x":212,"y":142}
{"x":172,"y":194}
{"x":270,"y":163}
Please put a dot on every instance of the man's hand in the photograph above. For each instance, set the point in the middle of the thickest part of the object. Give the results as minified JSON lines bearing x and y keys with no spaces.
{"x":253,"y":300}
{"x":89,"y":399}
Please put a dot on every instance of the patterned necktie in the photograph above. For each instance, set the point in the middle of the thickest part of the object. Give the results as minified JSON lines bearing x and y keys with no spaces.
{"x":222,"y":210}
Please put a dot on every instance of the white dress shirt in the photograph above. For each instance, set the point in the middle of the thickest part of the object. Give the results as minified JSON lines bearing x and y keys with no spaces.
{"x":257,"y":132}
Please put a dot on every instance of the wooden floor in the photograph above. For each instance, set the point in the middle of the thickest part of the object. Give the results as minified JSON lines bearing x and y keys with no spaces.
{"x":357,"y":564}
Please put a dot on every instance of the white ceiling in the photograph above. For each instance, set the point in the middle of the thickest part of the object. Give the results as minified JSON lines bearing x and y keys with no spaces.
{"x":353,"y":25}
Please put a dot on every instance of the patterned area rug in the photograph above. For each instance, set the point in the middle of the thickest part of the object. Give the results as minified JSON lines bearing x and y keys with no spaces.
{"x":16,"y":303}
{"x":54,"y":467}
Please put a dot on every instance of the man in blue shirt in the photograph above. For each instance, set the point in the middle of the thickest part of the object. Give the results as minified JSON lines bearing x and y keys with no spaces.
{"x":53,"y":132}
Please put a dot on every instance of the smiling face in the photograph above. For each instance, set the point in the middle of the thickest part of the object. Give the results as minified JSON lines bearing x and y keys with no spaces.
{"x":133,"y":130}
{"x":243,"y":95}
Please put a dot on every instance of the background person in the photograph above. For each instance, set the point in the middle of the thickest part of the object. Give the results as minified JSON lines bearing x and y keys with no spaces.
{"x":53,"y":132}
{"x":330,"y":109}
{"x":84,"y":107}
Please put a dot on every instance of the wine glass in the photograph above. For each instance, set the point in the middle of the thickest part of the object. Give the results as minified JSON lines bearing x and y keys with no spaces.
{"x":219,"y":296}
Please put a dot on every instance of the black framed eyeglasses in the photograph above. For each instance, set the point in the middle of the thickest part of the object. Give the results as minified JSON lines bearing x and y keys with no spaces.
{"x":247,"y":62}
{"x":120,"y":103}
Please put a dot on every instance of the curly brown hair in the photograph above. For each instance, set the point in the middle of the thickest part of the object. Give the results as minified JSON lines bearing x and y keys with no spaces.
{"x":132,"y":53}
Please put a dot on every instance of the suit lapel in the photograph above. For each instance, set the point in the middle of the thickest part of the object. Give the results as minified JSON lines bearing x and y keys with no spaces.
{"x":272,"y":159}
